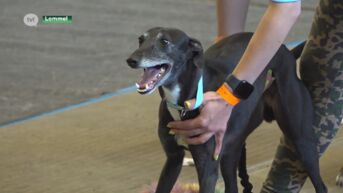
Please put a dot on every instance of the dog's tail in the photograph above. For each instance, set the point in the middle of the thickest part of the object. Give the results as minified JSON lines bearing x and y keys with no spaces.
{"x":297,"y":50}
{"x":243,"y":173}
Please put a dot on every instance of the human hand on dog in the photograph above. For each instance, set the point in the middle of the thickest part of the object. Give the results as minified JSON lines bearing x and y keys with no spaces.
{"x":212,"y":120}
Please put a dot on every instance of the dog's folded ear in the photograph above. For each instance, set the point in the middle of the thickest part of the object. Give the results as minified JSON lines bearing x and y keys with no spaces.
{"x":196,"y":52}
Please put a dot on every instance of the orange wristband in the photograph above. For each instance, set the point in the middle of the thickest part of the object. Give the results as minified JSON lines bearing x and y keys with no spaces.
{"x":224,"y":92}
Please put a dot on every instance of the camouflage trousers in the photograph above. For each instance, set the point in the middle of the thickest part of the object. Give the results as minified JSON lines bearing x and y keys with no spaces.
{"x":321,"y":68}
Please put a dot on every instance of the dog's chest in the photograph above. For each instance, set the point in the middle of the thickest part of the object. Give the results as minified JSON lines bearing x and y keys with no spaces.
{"x":172,"y":97}
{"x":174,"y":113}
{"x":177,"y":116}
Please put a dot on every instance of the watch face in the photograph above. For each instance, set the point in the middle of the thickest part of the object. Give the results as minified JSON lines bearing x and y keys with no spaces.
{"x":243,"y":90}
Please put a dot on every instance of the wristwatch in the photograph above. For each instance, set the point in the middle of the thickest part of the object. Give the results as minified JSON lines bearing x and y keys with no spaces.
{"x":234,"y":90}
{"x":240,"y":88}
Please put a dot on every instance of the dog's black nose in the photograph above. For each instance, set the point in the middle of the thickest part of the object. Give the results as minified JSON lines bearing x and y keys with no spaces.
{"x":132,"y":62}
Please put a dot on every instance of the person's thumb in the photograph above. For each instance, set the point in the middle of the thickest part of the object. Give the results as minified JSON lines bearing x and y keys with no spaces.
{"x":208,"y":96}
{"x":219,"y":141}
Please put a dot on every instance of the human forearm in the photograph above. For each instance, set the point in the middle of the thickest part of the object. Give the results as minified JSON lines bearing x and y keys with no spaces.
{"x":269,"y":35}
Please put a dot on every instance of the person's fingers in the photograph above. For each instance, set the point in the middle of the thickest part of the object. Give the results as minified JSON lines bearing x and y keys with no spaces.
{"x":199,"y":139}
{"x":208,"y":96}
{"x":197,"y":122}
{"x":189,"y":132}
{"x":219,"y":141}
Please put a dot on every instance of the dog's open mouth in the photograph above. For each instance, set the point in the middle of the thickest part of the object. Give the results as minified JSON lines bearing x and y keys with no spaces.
{"x":151,"y":77}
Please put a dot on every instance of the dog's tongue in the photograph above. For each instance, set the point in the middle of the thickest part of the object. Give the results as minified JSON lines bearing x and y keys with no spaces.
{"x":149,"y":76}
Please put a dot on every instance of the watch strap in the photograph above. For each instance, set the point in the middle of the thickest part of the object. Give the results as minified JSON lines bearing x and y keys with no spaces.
{"x":240,"y":88}
{"x":233,"y":82}
{"x":227,"y":95}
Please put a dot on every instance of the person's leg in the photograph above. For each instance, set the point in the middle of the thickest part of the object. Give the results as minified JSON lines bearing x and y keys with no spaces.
{"x":322,"y":72}
{"x":231,"y":17}
{"x":339,"y":178}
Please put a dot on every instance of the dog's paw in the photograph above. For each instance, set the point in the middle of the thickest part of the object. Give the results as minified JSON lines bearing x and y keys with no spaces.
{"x":339,"y":178}
{"x":188,"y":162}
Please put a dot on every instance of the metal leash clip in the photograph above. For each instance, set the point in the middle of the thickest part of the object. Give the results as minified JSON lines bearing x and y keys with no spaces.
{"x":183,"y":112}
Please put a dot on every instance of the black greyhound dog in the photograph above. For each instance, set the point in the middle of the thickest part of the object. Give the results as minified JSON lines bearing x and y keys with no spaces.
{"x":174,"y":63}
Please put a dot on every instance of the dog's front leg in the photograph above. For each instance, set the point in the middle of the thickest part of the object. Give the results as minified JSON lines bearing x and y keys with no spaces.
{"x":206,"y":166}
{"x":174,"y":153}
{"x":170,"y":172}
{"x":233,"y":145}
{"x":229,"y":163}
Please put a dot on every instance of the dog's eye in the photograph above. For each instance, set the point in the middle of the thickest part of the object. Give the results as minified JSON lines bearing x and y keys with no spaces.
{"x":164,"y":41}
{"x":141,"y":39}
